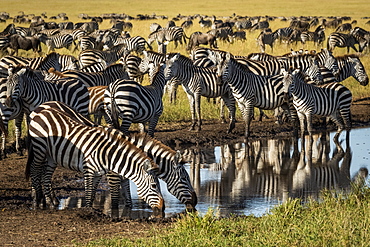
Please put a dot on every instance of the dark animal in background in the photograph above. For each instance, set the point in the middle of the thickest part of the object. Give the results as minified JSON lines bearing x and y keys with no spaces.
{"x":199,"y":38}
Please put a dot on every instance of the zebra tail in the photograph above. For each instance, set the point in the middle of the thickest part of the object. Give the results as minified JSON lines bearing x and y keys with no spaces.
{"x":185,"y":37}
{"x":30,"y":158}
{"x":114,"y":113}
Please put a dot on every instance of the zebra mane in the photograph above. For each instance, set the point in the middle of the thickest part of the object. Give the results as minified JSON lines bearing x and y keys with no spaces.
{"x":146,"y":139}
{"x":156,"y":72}
{"x":154,"y":53}
{"x":182,"y":58}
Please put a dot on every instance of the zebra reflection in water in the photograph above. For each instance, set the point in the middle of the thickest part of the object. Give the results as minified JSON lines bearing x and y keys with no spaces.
{"x":276,"y":169}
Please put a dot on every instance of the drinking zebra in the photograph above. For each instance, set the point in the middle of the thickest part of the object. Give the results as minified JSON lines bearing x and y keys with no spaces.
{"x":196,"y":82}
{"x":57,"y":139}
{"x":171,"y":169}
{"x":332,"y":100}
{"x":134,"y":103}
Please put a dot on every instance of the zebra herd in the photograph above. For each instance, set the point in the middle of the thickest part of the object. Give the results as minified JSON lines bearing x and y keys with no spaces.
{"x":58,"y":93}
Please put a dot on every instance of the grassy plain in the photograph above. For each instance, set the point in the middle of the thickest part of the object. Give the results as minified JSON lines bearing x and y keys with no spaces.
{"x":221,"y":9}
{"x":337,"y":221}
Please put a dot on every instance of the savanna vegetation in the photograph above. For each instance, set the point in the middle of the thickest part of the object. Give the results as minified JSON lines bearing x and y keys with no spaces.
{"x":339,"y":219}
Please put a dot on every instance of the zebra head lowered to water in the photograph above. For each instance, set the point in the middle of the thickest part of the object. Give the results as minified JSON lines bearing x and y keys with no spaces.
{"x":59,"y":138}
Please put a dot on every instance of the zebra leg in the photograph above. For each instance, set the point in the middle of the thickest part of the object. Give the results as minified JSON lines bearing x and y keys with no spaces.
{"x":230,"y":104}
{"x":246,"y":109}
{"x":51,"y":200}
{"x":91,"y":184}
{"x":152,"y":124}
{"x":222,"y":111}
{"x":302,"y":119}
{"x":142,"y":127}
{"x":2,"y":151}
{"x":198,"y":112}
{"x":125,"y":192}
{"x":192,"y":110}
{"x":36,"y":173}
{"x":18,"y":131}
{"x":262,"y":115}
{"x":337,"y":119}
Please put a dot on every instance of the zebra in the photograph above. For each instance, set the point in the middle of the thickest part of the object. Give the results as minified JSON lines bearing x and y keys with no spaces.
{"x":87,"y":42}
{"x":266,"y":38}
{"x":7,"y":114}
{"x":95,"y":151}
{"x":58,"y":41}
{"x":175,"y":34}
{"x":103,"y":78}
{"x":136,"y":43}
{"x":94,"y":67}
{"x":325,"y":58}
{"x":54,"y":60}
{"x":96,"y":102}
{"x":4,"y":43}
{"x":170,"y":162}
{"x":317,"y":36}
{"x":156,"y":59}
{"x":250,"y":90}
{"x":332,"y":100}
{"x":196,"y":82}
{"x":346,"y":40}
{"x":106,"y":58}
{"x":131,"y":64}
{"x":348,"y":65}
{"x":135,"y":103}
{"x":351,"y":65}
{"x":284,"y":33}
{"x":24,"y":84}
{"x":11,"y":61}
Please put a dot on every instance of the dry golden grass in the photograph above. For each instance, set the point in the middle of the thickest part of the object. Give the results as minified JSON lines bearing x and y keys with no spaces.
{"x":221,"y":9}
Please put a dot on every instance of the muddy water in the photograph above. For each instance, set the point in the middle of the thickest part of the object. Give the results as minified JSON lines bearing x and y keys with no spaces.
{"x":244,"y":179}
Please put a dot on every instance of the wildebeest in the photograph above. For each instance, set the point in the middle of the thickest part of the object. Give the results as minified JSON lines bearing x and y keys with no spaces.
{"x":199,"y":38}
{"x":25,"y":43}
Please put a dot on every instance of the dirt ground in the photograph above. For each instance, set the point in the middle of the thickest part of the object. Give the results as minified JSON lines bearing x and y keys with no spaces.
{"x":22,"y":226}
